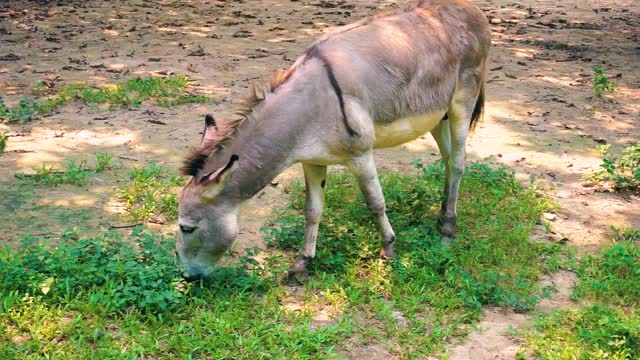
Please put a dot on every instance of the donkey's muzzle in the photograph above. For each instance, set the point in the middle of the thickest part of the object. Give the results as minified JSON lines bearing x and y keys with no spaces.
{"x":192,"y":272}
{"x":192,"y":277}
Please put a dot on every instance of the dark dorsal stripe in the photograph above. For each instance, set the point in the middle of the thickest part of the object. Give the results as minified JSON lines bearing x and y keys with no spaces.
{"x":314,"y":52}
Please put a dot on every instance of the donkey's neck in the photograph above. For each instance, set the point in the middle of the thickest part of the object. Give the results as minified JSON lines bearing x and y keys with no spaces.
{"x":262,"y":156}
{"x":267,"y":142}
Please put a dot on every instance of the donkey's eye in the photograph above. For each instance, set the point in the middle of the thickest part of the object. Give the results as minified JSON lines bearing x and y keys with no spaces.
{"x":187,"y":229}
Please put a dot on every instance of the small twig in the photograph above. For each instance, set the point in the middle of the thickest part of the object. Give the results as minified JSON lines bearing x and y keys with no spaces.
{"x":167,"y":132}
{"x":158,"y":122}
{"x":157,"y":221}
{"x":126,"y":158}
{"x":127,"y":226}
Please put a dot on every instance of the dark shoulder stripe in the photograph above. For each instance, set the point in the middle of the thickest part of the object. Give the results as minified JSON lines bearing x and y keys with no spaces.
{"x":314,"y":52}
{"x":336,"y":88}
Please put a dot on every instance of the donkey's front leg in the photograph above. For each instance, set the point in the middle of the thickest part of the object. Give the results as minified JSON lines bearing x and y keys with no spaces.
{"x":314,"y":177}
{"x":364,"y":168}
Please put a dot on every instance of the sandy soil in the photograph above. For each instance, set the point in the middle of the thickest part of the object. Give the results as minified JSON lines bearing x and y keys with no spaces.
{"x":540,"y":119}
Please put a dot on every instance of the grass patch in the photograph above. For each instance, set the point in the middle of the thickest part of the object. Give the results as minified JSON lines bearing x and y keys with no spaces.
{"x":614,"y":276}
{"x":619,"y":171}
{"x":105,"y":294}
{"x":167,"y":92}
{"x":76,"y":173}
{"x":607,"y":324}
{"x":589,"y":332}
{"x":151,"y":192}
{"x":110,"y":298}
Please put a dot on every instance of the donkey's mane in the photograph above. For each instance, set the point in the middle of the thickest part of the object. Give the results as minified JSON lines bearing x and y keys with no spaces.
{"x":196,"y":159}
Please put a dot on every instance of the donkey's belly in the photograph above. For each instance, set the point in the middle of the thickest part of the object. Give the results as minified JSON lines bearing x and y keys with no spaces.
{"x":406,"y":129}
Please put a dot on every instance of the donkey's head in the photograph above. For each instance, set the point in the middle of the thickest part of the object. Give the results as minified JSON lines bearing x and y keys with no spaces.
{"x":206,"y":217}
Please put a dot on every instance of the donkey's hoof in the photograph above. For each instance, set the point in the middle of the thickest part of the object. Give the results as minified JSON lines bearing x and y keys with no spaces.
{"x":298,"y":277}
{"x":300,"y":270}
{"x":447,"y":240}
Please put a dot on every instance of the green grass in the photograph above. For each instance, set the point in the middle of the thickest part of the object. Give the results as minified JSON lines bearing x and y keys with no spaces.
{"x":101,"y":296}
{"x":613,"y":277}
{"x":76,"y":173}
{"x":151,"y":192}
{"x":588,"y":332}
{"x":168,"y":92}
{"x":621,"y":171}
{"x":606,"y":325}
{"x":104,"y":295}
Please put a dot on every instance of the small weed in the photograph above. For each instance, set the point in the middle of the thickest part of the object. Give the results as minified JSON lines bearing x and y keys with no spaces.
{"x":4,"y":111}
{"x":3,"y":141}
{"x":622,"y":171}
{"x":151,"y":192}
{"x":169,"y":91}
{"x":76,"y":173}
{"x":103,"y":161}
{"x":42,"y":88}
{"x":600,"y":82}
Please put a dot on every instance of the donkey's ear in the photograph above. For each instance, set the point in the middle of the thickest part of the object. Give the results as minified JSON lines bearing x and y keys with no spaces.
{"x":214,"y":182}
{"x":209,"y":121}
{"x":209,"y":127}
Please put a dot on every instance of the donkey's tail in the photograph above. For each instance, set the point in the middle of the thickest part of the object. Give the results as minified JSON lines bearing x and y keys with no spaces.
{"x":478,"y":111}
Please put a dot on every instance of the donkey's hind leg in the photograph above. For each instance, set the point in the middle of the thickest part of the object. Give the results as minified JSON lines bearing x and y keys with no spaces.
{"x":364,"y":169}
{"x":442,"y":135}
{"x":315,"y":178}
{"x":459,"y":113}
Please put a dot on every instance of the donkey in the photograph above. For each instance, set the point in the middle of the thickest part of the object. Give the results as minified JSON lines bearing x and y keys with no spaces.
{"x":376,"y":83}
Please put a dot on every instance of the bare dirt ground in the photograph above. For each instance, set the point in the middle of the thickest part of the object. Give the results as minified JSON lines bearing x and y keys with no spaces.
{"x":540,"y":117}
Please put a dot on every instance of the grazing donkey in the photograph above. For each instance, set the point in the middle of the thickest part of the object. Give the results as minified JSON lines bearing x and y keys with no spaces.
{"x":376,"y":83}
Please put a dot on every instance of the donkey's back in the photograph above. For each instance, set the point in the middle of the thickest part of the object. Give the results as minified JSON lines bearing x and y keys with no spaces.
{"x":411,"y":62}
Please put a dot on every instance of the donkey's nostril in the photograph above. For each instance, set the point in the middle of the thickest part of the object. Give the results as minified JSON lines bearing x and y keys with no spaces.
{"x":187,"y":229}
